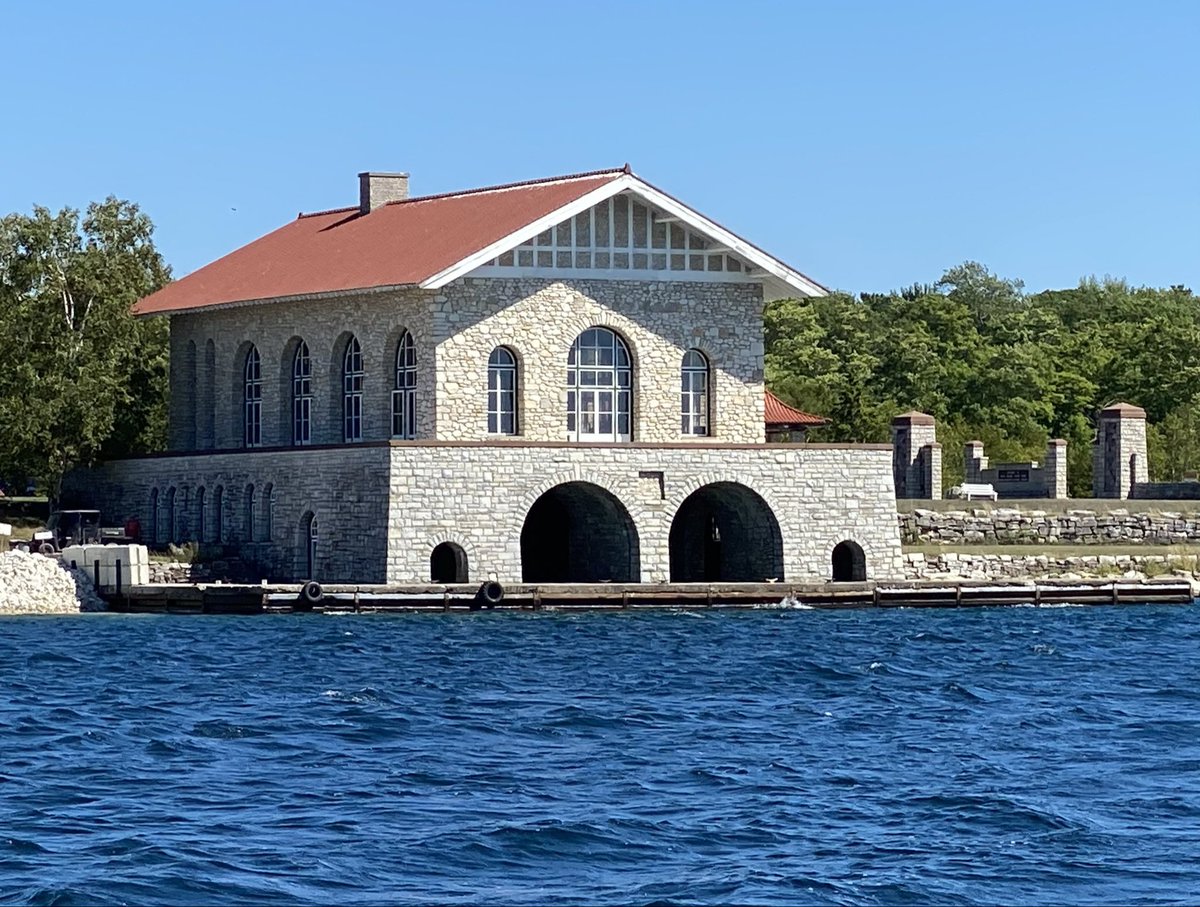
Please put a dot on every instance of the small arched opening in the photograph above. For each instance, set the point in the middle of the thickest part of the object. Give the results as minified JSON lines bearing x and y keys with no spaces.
{"x":578,"y":532}
{"x":725,"y":532}
{"x":849,"y":563}
{"x":448,"y":564}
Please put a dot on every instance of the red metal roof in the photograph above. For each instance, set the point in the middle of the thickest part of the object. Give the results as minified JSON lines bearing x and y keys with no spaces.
{"x":780,"y":415}
{"x":399,"y":244}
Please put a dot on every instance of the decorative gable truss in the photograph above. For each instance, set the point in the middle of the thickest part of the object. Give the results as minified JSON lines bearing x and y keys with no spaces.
{"x":622,"y":234}
{"x":628,"y":229}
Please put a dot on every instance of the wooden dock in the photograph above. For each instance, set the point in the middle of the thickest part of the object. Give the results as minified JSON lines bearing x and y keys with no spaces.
{"x":222,"y":598}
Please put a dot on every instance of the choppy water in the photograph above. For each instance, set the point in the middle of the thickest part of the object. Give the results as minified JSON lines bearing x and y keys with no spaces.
{"x":868,"y":757}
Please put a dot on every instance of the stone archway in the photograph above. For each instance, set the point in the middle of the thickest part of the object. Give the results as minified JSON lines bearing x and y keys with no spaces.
{"x":448,"y":564}
{"x":725,"y":532}
{"x":578,"y":532}
{"x":849,"y":563}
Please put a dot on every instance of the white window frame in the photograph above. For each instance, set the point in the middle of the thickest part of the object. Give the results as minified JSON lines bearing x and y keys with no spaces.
{"x":353,"y":377}
{"x":599,"y":387}
{"x":301,"y":396}
{"x":404,"y":391}
{"x":252,"y":399}
{"x":502,"y":414}
{"x":694,"y":394}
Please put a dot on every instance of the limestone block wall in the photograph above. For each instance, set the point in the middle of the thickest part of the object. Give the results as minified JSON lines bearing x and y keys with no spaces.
{"x":539,"y":319}
{"x":478,"y":497}
{"x":207,"y":397}
{"x":346,"y":487}
{"x":1006,"y":525}
{"x":455,"y":331}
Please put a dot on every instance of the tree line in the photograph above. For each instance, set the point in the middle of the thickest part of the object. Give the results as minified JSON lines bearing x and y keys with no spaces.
{"x":82,"y":380}
{"x":993,"y":363}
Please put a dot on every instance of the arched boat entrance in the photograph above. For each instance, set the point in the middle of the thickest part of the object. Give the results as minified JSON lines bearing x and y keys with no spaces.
{"x":578,"y":532}
{"x":725,"y":532}
{"x":849,"y":563}
{"x":448,"y":564}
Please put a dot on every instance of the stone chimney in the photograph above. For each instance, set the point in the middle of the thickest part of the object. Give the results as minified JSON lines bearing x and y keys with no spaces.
{"x":376,"y":189}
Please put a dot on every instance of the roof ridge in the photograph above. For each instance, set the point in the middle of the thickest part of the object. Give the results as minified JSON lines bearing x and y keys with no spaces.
{"x":344,"y":208}
{"x":608,"y":171}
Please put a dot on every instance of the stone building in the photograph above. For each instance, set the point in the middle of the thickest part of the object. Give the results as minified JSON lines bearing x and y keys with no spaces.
{"x":557,"y":380}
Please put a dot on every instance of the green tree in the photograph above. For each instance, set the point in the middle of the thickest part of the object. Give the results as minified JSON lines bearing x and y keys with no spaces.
{"x":82,"y":375}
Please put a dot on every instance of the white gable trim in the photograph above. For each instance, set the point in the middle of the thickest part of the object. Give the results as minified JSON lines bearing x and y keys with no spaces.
{"x":777,"y":277}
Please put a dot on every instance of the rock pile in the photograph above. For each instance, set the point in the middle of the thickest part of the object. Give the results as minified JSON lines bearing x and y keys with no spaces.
{"x":35,"y":584}
{"x":1131,"y":567}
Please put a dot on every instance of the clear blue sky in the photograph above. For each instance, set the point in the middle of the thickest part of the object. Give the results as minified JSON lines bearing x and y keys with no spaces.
{"x":870,"y":145}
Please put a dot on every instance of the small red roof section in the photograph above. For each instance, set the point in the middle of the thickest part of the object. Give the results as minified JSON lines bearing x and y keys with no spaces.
{"x":781,"y":416}
{"x":398,"y":244}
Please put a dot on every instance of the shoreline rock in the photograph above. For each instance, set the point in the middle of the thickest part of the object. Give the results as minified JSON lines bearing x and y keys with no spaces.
{"x":36,"y":584}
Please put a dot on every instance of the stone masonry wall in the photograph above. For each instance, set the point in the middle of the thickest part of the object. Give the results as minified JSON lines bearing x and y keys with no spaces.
{"x":958,"y":566}
{"x":346,"y":487}
{"x":382,"y":508}
{"x":539,"y":319}
{"x":455,"y":331}
{"x":1076,"y":527}
{"x":477,"y":497}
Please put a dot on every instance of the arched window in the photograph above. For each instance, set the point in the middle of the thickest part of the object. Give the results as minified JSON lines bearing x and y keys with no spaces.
{"x":404,"y":394}
{"x":352,"y":392}
{"x":308,"y":529}
{"x":248,"y":519}
{"x":171,"y":514}
{"x":502,"y":392}
{"x":448,"y":564}
{"x":219,"y":514}
{"x":301,"y":396}
{"x":694,"y":397}
{"x":252,"y":397}
{"x":849,"y":563}
{"x":599,"y":387}
{"x":201,"y":516}
{"x":268,"y":512}
{"x":153,"y":534}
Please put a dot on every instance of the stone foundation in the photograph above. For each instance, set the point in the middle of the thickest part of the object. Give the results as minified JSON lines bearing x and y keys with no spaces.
{"x":1040,"y":527}
{"x":754,"y":512}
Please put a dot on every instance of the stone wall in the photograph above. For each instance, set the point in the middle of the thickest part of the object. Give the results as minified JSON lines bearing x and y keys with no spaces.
{"x":455,"y":330}
{"x":958,"y":566}
{"x":347,"y":487}
{"x":1002,"y":525}
{"x":382,"y":508}
{"x":539,"y":319}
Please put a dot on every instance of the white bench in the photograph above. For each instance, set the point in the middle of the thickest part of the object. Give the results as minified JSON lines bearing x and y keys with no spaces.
{"x":975,"y":490}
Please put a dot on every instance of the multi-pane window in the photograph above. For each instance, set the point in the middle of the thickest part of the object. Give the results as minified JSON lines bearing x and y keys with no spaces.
{"x":404,"y":393}
{"x":201,"y":517}
{"x":252,"y":397}
{"x":599,"y":387}
{"x":352,"y":392}
{"x":502,"y":392}
{"x":694,"y":397}
{"x":301,"y":396}
{"x":219,"y":514}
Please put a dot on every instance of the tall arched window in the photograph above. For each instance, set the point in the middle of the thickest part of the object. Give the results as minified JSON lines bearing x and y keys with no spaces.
{"x":694,"y":399}
{"x":171,"y":514}
{"x":153,"y":534}
{"x":404,"y":393}
{"x":301,"y":396}
{"x":201,"y":517}
{"x":502,"y":392}
{"x":599,"y":387}
{"x":252,"y":397}
{"x":219,"y":514}
{"x":352,"y":392}
{"x":248,"y":518}
{"x":308,"y":530}
{"x":268,"y":512}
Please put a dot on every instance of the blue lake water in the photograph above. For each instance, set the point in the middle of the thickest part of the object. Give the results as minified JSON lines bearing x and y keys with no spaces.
{"x":1004,"y":755}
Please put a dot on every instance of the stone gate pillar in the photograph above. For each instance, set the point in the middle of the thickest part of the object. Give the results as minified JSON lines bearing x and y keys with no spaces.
{"x":1056,"y":469}
{"x":912,"y":432}
{"x":1119,"y":459}
{"x":974,"y":462}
